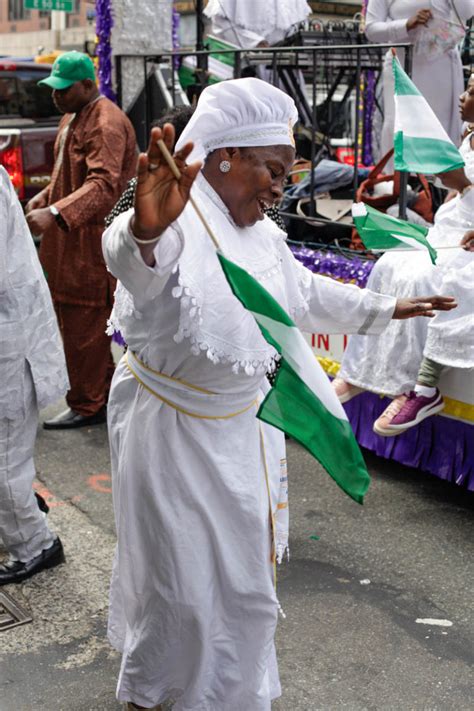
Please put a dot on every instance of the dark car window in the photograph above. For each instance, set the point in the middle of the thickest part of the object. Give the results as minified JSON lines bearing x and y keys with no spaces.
{"x":21,"y":96}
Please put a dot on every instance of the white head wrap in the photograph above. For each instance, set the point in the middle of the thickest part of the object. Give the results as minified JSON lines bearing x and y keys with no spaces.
{"x":239,"y":113}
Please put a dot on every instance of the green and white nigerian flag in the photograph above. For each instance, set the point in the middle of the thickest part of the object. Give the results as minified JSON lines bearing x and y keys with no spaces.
{"x":421,"y":143}
{"x":381,"y":232}
{"x":302,"y":402}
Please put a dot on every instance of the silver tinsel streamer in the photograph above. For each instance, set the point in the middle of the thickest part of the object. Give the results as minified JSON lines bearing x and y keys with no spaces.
{"x":141,"y":27}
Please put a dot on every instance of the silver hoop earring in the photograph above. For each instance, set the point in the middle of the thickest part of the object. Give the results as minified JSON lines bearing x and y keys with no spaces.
{"x":224,"y":166}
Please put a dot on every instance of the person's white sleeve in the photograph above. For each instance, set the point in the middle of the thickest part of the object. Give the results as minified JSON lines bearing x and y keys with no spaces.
{"x":341,"y":308}
{"x":445,"y":8}
{"x":6,"y":191}
{"x":123,"y":258}
{"x":465,"y":9}
{"x":380,"y":28}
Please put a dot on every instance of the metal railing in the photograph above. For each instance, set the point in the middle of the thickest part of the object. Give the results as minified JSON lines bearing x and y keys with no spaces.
{"x":352,"y":59}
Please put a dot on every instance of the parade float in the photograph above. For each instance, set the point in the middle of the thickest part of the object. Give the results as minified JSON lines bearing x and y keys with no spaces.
{"x":442,"y":445}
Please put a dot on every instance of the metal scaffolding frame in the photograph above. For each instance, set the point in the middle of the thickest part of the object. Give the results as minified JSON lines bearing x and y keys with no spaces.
{"x":346,"y":59}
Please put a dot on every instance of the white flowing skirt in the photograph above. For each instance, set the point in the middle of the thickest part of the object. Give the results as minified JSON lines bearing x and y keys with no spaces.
{"x":450,"y":338}
{"x":193,"y":607}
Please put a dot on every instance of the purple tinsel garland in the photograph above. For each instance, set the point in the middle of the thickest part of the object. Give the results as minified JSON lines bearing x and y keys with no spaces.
{"x":175,"y":35}
{"x":369,"y":102}
{"x":369,"y":107}
{"x":118,"y":339}
{"x":354,"y":270}
{"x":103,"y":28}
{"x":363,"y":12}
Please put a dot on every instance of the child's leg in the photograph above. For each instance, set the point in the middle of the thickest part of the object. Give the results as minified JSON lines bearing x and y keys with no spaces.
{"x":428,"y":377}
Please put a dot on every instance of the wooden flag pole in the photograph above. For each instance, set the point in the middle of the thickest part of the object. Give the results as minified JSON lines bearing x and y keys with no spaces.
{"x":175,"y":170}
{"x":412,"y":249}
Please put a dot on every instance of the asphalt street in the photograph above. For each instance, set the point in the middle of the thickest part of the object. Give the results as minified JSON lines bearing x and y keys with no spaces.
{"x":358,"y":586}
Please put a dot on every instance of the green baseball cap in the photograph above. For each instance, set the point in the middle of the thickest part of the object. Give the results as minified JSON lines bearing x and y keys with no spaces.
{"x":69,"y":68}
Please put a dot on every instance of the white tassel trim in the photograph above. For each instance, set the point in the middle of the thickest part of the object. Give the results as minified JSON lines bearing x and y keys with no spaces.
{"x":190,"y":323}
{"x":280,"y":549}
{"x":280,"y":610}
{"x":112,"y":326}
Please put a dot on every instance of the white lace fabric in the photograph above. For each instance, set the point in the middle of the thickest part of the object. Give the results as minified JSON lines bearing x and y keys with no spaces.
{"x":210,"y":317}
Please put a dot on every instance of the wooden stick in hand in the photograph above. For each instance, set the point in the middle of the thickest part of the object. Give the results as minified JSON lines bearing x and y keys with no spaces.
{"x":174,"y":169}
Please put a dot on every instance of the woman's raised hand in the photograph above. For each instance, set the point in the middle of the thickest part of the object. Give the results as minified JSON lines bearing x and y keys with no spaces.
{"x":160,"y":197}
{"x":421,"y":18}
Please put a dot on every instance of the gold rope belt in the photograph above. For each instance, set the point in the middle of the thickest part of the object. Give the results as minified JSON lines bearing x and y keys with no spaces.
{"x":188,"y":399}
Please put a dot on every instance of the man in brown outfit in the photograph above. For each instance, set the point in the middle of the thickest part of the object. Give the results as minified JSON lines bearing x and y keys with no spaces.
{"x":95,"y":156}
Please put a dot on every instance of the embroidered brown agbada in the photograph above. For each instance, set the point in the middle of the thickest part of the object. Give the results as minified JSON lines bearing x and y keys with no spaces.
{"x":99,"y":157}
{"x":95,"y":156}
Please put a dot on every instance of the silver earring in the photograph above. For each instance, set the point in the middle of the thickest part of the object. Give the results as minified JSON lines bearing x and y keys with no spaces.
{"x":224,"y":166}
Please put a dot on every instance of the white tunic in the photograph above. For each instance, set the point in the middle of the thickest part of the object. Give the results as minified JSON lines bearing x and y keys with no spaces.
{"x":193,"y":605}
{"x":439,"y":79}
{"x":389,"y":364}
{"x":28,"y":326}
{"x":32,"y":372}
{"x":246,"y":23}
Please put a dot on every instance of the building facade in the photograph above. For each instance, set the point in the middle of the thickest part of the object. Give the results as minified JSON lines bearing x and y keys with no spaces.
{"x":26,"y":32}
{"x":29,"y":32}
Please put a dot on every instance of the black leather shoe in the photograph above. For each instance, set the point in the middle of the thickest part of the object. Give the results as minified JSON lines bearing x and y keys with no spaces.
{"x":69,"y":420}
{"x":14,"y":571}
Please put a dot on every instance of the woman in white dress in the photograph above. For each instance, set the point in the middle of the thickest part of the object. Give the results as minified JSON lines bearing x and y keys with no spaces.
{"x":196,"y":478}
{"x":437,"y":69}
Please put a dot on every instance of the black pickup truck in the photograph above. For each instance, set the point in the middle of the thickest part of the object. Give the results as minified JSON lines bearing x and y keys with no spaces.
{"x":28,"y":126}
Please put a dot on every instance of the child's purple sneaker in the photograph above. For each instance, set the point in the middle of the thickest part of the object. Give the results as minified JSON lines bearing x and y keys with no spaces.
{"x":416,"y":408}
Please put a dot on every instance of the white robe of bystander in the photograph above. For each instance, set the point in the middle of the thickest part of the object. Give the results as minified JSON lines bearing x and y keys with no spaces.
{"x":246,"y":23}
{"x":32,"y":375}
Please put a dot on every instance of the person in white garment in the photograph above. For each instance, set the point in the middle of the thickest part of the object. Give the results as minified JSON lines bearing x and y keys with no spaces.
{"x":248,"y":24}
{"x":389,"y":365}
{"x":32,"y":375}
{"x":433,"y":27}
{"x":196,"y":476}
{"x":449,"y":343}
